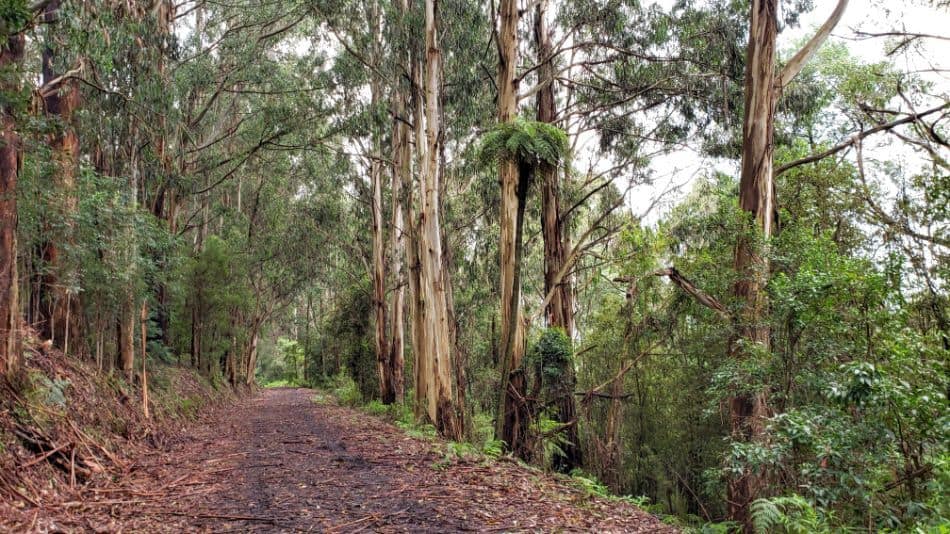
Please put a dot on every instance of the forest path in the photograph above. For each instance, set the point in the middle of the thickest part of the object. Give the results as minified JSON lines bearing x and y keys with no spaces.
{"x":278,"y":462}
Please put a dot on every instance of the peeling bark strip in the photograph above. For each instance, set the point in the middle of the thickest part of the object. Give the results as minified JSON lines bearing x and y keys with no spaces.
{"x":10,"y":57}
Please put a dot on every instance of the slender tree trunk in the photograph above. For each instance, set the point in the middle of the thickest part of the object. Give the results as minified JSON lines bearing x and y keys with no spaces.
{"x":613,"y":448}
{"x":512,"y":419}
{"x":126,"y":338}
{"x":234,"y":351}
{"x":307,"y":369}
{"x":448,"y":267}
{"x":397,"y":320}
{"x":196,"y":330}
{"x":384,"y":366}
{"x":387,"y":391}
{"x":10,"y":56}
{"x":144,"y":339}
{"x":416,"y":303}
{"x":167,"y":204}
{"x":251,"y":358}
{"x":401,"y":174}
{"x":559,"y":312}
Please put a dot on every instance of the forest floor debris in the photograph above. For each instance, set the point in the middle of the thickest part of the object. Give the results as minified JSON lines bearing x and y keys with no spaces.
{"x":279,"y":462}
{"x":68,"y":432}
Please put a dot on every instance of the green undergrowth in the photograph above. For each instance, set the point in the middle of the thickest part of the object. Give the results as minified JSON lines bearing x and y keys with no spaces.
{"x":593,"y":487}
{"x":284,"y":383}
{"x":342,"y":390}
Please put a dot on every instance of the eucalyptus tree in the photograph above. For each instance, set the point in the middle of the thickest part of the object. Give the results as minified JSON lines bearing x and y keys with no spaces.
{"x":58,"y":302}
{"x":435,"y":354}
{"x":528,"y":146}
{"x":400,"y":187}
{"x":512,"y":419}
{"x":749,"y":410}
{"x":12,"y":38}
{"x":559,"y":311}
{"x":387,"y":386}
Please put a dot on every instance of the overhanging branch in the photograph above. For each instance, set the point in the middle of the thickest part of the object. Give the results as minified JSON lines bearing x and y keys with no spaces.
{"x":857,"y":138}
{"x":799,"y":60}
{"x":690,"y":288}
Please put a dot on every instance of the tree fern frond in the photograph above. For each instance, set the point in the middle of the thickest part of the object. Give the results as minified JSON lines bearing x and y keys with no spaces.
{"x":525,"y":142}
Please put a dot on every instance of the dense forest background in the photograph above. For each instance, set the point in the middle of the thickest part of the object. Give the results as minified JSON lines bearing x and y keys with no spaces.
{"x":450,"y":208}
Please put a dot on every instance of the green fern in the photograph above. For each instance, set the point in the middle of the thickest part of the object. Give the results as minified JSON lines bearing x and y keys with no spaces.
{"x":766,"y":516}
{"x":791,"y":514}
{"x":493,"y":448}
{"x":528,"y":143}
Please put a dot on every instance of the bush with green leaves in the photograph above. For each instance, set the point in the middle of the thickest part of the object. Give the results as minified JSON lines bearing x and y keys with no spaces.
{"x":551,"y":356}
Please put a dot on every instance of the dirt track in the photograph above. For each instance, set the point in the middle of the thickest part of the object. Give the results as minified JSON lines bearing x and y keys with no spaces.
{"x":281,"y":463}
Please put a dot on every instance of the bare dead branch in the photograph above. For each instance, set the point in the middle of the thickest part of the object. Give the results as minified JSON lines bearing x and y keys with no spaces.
{"x":799,"y":60}
{"x":690,"y":288}
{"x":857,"y":138}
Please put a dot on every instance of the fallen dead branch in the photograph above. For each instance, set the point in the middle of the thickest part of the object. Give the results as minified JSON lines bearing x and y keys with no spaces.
{"x":226,"y":517}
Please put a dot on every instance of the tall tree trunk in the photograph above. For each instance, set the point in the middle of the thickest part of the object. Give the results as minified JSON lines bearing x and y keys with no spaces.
{"x":512,"y":418}
{"x":613,"y":464}
{"x":397,"y":320}
{"x":435,"y":357}
{"x":167,"y":203}
{"x":748,"y":411}
{"x":559,"y":312}
{"x":384,"y":367}
{"x":401,"y":174}
{"x":196,"y":329}
{"x":251,"y":357}
{"x":163,"y":303}
{"x":10,"y":56}
{"x":416,"y":303}
{"x":143,"y":318}
{"x":448,"y":267}
{"x":60,"y":310}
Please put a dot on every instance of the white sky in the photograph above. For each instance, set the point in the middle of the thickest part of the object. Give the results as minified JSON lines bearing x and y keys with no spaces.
{"x":873,"y":16}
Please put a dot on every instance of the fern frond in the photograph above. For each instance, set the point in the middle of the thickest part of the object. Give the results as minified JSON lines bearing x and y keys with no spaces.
{"x":524,"y":142}
{"x":766,"y":516}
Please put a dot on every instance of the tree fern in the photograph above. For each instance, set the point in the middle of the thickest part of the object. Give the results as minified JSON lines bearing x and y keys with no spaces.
{"x":528,"y":143}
